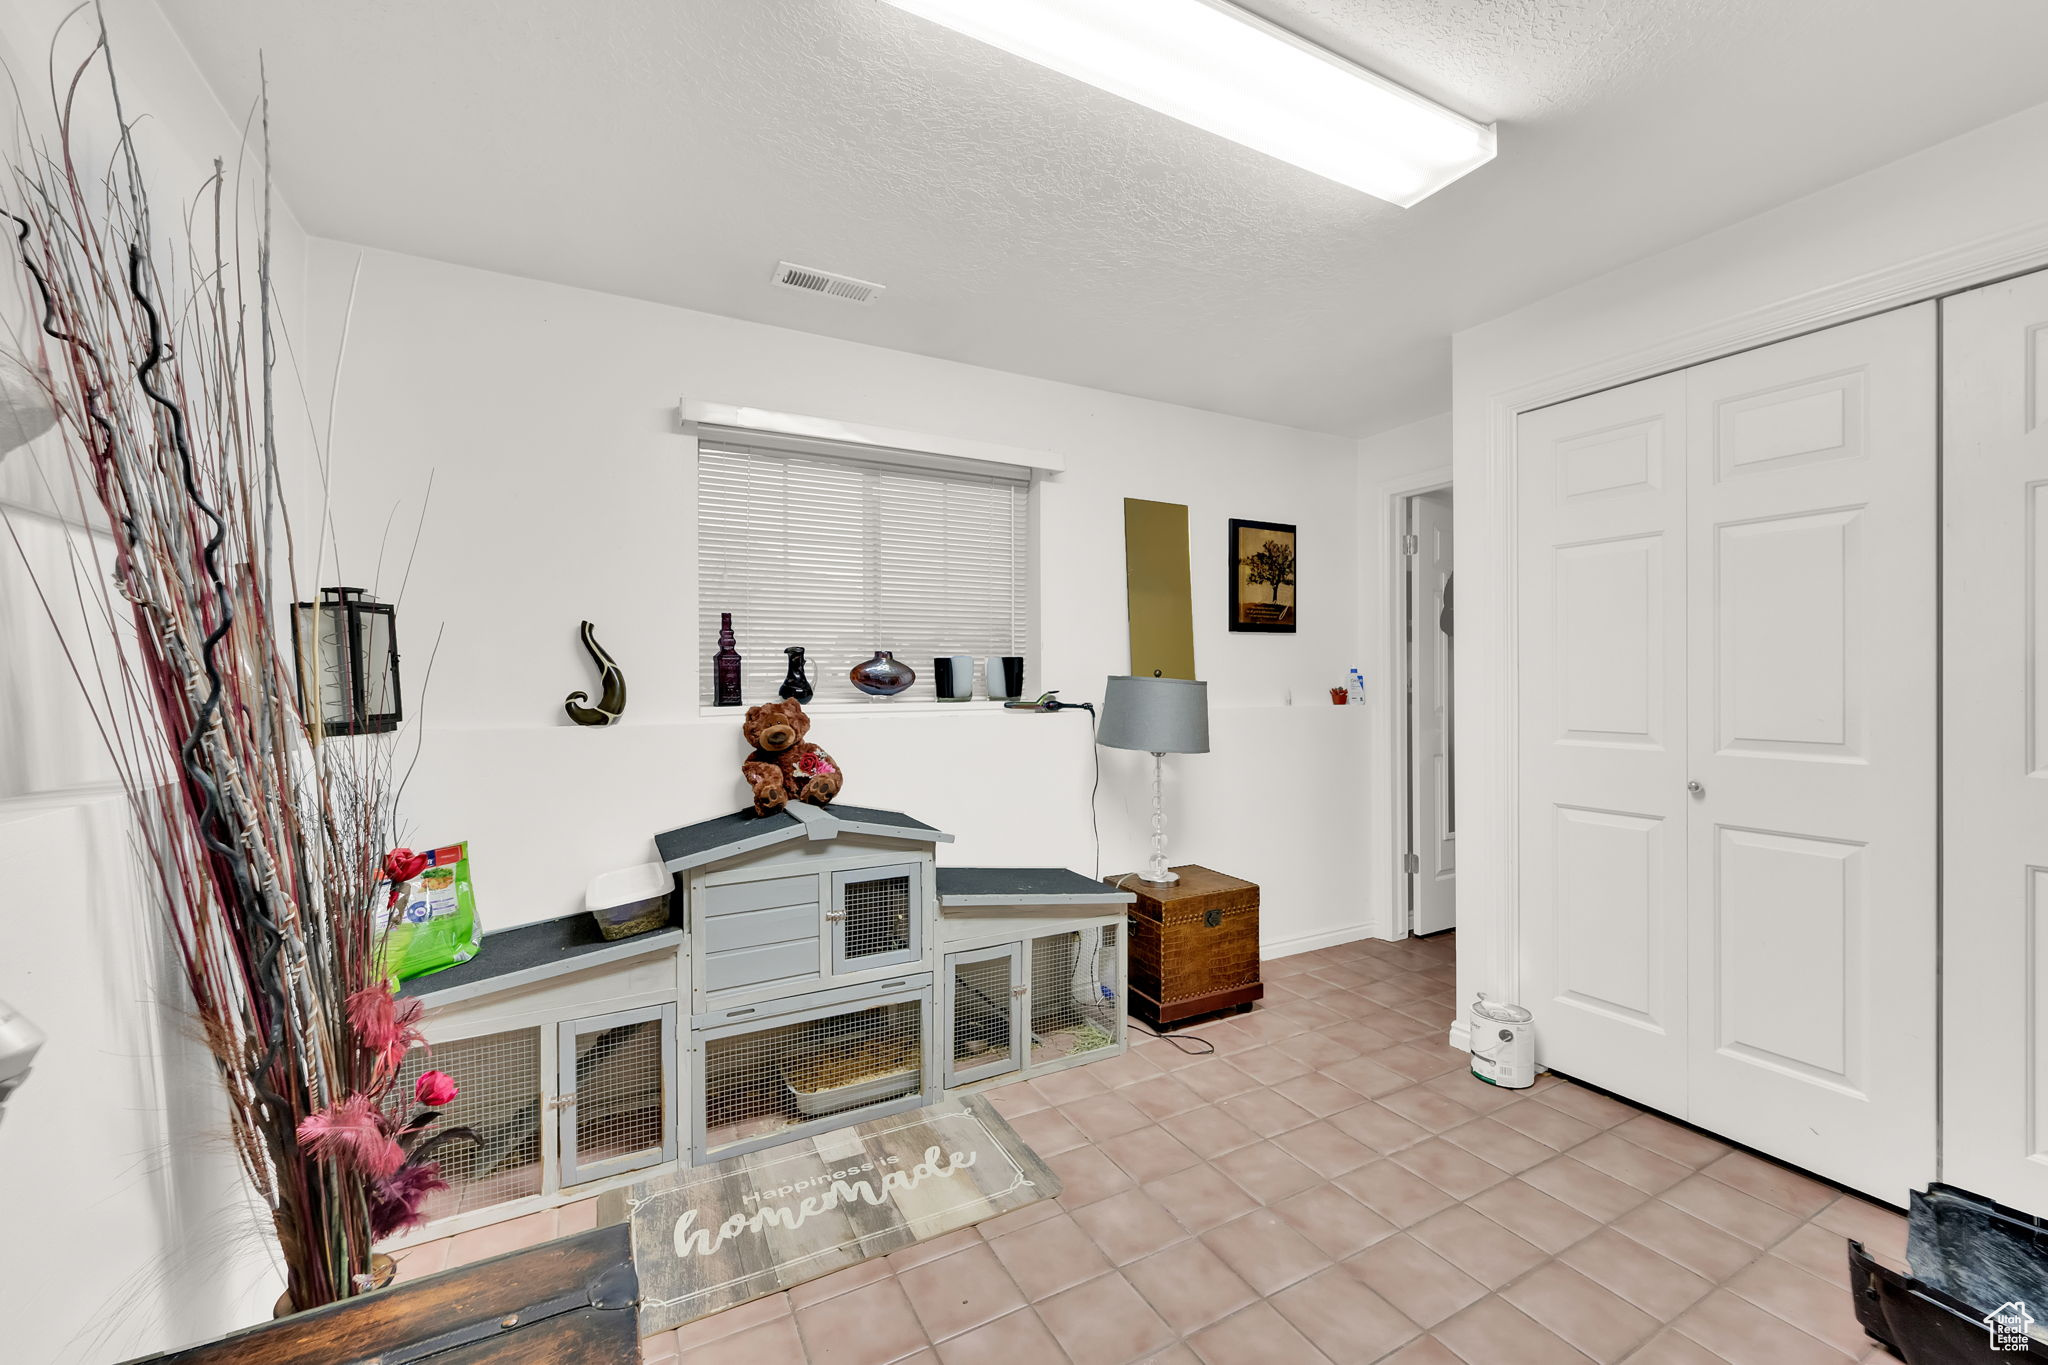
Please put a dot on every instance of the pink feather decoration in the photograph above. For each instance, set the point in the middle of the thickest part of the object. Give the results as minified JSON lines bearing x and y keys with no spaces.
{"x":406,"y":1018}
{"x":384,"y":1025}
{"x":351,"y":1133}
{"x":381,"y":1020}
{"x":372,"y":1013}
{"x":395,"y":1201}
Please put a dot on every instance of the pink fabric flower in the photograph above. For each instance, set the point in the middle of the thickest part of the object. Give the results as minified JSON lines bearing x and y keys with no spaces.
{"x":402,"y":864}
{"x":435,"y":1088}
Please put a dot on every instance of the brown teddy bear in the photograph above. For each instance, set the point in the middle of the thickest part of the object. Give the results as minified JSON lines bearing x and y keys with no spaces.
{"x":783,"y":765}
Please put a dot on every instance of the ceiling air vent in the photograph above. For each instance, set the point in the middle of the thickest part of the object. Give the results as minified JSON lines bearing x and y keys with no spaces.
{"x":815,"y":281}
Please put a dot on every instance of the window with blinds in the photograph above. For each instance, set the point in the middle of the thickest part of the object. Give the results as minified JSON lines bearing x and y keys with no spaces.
{"x":846,"y":555}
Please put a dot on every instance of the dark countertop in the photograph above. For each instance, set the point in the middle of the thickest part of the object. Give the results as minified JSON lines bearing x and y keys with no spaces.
{"x":725,"y":836}
{"x":692,"y":843}
{"x":867,"y":815}
{"x":545,"y":948}
{"x":1025,"y":886}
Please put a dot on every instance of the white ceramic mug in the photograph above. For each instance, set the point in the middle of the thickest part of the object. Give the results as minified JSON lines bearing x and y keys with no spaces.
{"x":961,"y":668}
{"x":1000,"y":687}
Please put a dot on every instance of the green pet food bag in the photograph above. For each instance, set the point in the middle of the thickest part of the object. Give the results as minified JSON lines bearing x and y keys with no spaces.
{"x":431,"y":922}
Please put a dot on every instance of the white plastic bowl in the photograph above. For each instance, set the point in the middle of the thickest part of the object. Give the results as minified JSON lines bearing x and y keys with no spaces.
{"x":629,"y":901}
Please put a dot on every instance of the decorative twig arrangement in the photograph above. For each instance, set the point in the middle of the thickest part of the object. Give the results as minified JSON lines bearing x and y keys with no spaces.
{"x":263,"y":847}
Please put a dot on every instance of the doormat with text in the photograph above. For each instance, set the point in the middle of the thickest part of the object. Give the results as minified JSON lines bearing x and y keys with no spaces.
{"x":711,"y":1237}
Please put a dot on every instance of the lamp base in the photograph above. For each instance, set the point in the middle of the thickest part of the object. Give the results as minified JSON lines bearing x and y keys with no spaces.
{"x":1156,"y":872}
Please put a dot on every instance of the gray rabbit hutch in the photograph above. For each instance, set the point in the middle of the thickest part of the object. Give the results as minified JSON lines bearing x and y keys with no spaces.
{"x":819,"y":969}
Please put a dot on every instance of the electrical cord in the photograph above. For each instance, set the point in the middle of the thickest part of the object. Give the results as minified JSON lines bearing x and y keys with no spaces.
{"x":1095,"y":791}
{"x":1207,"y":1048}
{"x":1051,"y":702}
{"x":1193,"y":1047}
{"x":1091,"y":940}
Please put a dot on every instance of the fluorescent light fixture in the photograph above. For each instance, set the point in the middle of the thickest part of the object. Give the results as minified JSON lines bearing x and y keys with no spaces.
{"x":1231,"y":73}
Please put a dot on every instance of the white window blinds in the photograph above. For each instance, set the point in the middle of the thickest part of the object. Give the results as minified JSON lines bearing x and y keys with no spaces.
{"x":848,"y":555}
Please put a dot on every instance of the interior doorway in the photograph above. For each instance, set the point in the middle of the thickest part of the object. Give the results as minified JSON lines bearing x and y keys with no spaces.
{"x":1429,"y":827}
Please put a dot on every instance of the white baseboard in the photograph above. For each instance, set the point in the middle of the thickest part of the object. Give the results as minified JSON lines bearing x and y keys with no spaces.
{"x":1461,"y":1034}
{"x":1308,"y":943}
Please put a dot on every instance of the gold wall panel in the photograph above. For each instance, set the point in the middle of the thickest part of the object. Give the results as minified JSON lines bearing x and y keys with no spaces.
{"x":1157,"y":580}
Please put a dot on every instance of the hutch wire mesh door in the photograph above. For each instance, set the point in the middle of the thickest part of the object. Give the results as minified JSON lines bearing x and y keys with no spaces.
{"x":877,"y":917}
{"x":1074,"y":994}
{"x":501,"y":1099}
{"x":617,"y":1099}
{"x":757,"y":1084}
{"x":984,"y":1005}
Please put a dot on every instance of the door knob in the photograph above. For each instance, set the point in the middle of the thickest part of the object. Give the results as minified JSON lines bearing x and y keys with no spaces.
{"x":1695,"y":788}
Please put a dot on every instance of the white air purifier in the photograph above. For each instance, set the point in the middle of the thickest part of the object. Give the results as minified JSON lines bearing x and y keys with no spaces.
{"x":1503,"y":1044}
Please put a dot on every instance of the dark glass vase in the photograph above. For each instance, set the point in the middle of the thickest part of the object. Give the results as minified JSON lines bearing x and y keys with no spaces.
{"x":882,"y":676}
{"x":795,"y":686}
{"x":725,"y":666}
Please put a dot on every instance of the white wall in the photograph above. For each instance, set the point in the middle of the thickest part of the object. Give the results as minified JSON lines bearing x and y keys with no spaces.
{"x":1391,"y":464}
{"x":130,"y":1227}
{"x":127,"y":1225}
{"x":1962,"y":212}
{"x":562,"y":490}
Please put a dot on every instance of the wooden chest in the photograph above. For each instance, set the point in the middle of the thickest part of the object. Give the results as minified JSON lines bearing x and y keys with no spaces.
{"x":1194,"y":946}
{"x":574,"y":1299}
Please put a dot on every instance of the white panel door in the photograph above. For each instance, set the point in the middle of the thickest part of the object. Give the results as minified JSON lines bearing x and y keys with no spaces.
{"x":1811,"y":532}
{"x":1995,"y":740}
{"x":1600,"y":484}
{"x":1432,"y":834}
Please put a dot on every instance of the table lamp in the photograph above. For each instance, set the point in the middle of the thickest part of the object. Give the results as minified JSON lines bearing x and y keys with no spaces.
{"x":1158,"y":716}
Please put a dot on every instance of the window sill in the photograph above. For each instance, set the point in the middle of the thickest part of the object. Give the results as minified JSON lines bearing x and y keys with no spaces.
{"x":880,"y":706}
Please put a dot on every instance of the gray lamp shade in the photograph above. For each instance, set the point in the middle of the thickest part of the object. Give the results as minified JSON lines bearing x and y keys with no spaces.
{"x":1155,"y":715}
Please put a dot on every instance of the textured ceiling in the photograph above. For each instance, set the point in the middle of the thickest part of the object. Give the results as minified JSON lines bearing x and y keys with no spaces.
{"x":674,"y":150}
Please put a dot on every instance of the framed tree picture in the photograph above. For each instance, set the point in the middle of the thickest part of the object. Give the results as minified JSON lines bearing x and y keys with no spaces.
{"x":1261,"y":576}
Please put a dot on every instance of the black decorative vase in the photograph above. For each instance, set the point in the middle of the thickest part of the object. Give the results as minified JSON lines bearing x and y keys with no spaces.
{"x":796,"y":686}
{"x":882,"y":676}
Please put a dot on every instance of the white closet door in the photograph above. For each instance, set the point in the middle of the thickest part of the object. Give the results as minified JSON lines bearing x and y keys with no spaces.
{"x":1811,"y":477}
{"x":1434,"y":837}
{"x":1995,"y":741}
{"x":1601,"y":866}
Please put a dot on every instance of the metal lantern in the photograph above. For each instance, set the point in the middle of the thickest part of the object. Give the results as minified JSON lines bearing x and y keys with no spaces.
{"x":347,"y":644}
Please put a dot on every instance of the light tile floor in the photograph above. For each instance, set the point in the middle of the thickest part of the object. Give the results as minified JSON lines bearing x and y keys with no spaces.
{"x":1332,"y":1187}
